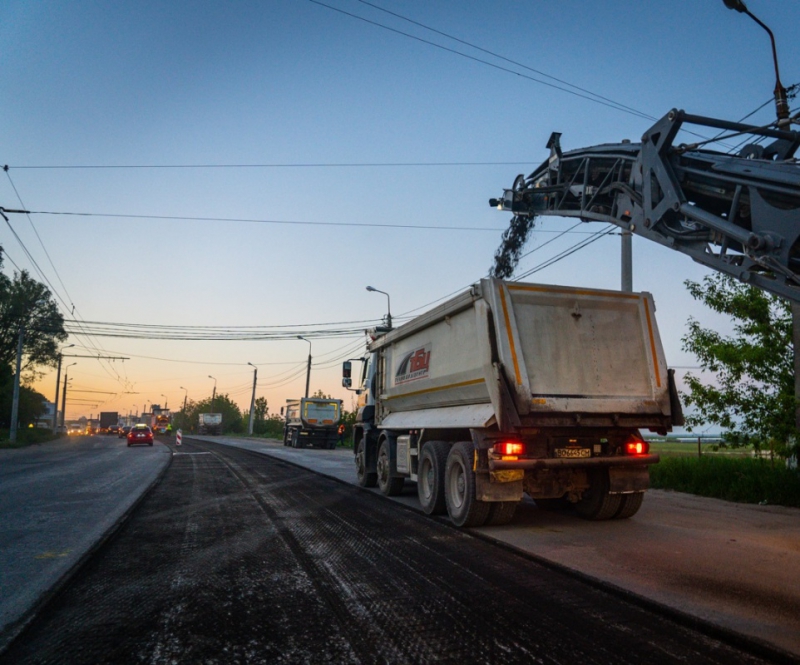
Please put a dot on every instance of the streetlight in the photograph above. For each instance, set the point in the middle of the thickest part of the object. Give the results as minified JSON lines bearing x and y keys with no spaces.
{"x":388,"y":305}
{"x":58,"y":385}
{"x":184,"y":421}
{"x":308,"y":369}
{"x":165,"y":401}
{"x":64,"y":395}
{"x":781,"y":103}
{"x":213,"y":393}
{"x":253,"y":399}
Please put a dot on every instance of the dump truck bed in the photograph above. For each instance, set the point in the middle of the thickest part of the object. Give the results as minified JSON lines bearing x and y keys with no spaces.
{"x":526,"y":354}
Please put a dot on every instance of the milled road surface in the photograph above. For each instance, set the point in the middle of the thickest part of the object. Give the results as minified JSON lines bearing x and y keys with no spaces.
{"x":236,"y":557}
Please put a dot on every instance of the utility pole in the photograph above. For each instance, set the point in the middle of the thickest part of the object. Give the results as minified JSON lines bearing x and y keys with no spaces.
{"x":58,"y":385}
{"x":64,"y":395}
{"x":308,"y":368}
{"x":12,"y":434}
{"x":213,"y":392}
{"x":627,"y":261}
{"x":253,"y":399}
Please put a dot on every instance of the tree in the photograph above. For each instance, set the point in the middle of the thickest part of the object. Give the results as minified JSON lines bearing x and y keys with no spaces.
{"x":752,"y":396}
{"x":231,"y":414}
{"x":26,"y":302}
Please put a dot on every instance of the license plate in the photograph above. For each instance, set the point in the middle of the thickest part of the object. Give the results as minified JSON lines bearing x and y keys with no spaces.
{"x":573,"y":452}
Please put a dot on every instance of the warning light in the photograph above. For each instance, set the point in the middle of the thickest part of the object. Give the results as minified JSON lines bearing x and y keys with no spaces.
{"x":509,"y":448}
{"x":636,"y":446}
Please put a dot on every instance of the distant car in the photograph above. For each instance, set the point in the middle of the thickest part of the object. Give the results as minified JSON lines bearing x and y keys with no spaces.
{"x":75,"y":430}
{"x":113,"y":429}
{"x":140,"y":434}
{"x":123,"y":431}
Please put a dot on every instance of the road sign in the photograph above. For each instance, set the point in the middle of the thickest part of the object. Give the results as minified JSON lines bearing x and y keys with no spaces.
{"x":178,"y":438}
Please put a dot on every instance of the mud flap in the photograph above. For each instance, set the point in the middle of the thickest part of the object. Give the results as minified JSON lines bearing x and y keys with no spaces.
{"x":499,"y":485}
{"x":625,"y":480}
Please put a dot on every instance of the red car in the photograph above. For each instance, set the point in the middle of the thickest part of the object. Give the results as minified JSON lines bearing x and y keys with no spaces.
{"x":140,"y":434}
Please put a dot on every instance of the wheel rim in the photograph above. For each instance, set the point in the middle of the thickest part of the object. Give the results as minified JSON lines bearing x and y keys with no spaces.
{"x":457,"y":485}
{"x":426,"y":478}
{"x":383,"y":467}
{"x":360,"y":461}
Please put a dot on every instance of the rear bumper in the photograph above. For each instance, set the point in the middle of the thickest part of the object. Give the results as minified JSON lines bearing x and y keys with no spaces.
{"x":560,"y":463}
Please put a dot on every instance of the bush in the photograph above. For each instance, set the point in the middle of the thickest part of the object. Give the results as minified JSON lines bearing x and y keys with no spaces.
{"x":746,"y":480}
{"x":27,"y":436}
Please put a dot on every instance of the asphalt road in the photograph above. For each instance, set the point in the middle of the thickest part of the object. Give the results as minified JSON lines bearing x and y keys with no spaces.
{"x":236,"y":557}
{"x":57,"y":501}
{"x":734,"y":565}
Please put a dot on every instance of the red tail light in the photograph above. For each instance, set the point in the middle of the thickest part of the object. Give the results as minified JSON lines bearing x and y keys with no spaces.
{"x":509,"y":448}
{"x":636,"y":446}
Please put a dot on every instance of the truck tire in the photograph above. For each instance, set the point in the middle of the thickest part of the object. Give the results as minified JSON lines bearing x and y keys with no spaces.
{"x":430,"y":482}
{"x":553,"y":505}
{"x":459,"y":488}
{"x":295,"y":439}
{"x":501,"y":512}
{"x":387,"y":484}
{"x":629,"y":505}
{"x":597,"y":503}
{"x":365,"y":478}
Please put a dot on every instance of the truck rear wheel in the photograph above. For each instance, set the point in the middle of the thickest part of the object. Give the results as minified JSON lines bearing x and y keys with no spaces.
{"x":597,"y":503}
{"x":459,"y":488}
{"x":387,"y":484}
{"x":365,"y":478}
{"x":501,"y":512}
{"x":629,"y":505}
{"x":430,"y":482}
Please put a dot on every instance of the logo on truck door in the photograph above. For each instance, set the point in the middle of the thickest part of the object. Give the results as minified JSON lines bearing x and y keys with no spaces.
{"x":413,"y":366}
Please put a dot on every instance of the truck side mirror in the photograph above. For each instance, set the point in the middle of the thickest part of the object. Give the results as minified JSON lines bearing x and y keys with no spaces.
{"x":346,"y":368}
{"x":347,"y":382}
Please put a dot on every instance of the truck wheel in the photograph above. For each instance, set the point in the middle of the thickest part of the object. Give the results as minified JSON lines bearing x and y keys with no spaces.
{"x":386,"y":483}
{"x":430,"y":483}
{"x":597,"y":503}
{"x":295,"y":438}
{"x":459,"y":488}
{"x":629,"y":505}
{"x":553,"y":505}
{"x":365,"y":478}
{"x":501,"y":512}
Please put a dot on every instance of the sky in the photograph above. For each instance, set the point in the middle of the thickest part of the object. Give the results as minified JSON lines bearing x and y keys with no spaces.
{"x":332,"y":133}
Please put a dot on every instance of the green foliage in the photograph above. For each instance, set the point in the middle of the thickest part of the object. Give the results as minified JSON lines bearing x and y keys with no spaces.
{"x":752,"y":397}
{"x":31,"y":403}
{"x":232,"y":422}
{"x":26,"y":302}
{"x":27,"y":436}
{"x":742,"y":479}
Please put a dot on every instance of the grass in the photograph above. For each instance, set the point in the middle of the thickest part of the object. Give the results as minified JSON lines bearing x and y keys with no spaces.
{"x":740,"y":479}
{"x":26,"y":437}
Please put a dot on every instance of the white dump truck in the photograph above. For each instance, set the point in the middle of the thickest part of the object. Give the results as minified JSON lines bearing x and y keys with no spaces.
{"x":209,"y":423}
{"x":513,"y":388}
{"x":312,"y":421}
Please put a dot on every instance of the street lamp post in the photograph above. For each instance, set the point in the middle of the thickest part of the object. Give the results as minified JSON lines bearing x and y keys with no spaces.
{"x":213,"y":393}
{"x":64,"y":395}
{"x":58,"y":386}
{"x":308,"y":368}
{"x":388,"y":305}
{"x":253,"y":399}
{"x":165,"y":401}
{"x":184,"y":421}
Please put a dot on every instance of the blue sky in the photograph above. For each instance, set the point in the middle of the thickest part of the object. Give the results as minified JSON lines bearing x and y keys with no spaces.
{"x":295,"y":82}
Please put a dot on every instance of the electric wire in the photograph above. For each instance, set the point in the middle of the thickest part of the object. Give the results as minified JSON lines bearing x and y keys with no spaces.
{"x":481,"y":60}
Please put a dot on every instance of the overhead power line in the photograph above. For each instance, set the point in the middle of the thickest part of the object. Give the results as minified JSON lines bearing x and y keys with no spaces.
{"x":274,"y":165}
